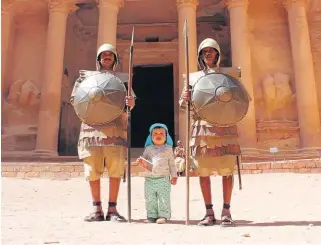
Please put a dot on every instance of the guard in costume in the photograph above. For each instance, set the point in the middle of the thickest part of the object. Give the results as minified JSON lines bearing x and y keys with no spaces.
{"x":218,"y":102}
{"x":99,"y":99}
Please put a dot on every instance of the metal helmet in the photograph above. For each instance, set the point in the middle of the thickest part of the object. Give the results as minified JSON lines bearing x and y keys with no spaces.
{"x":208,"y":43}
{"x":103,"y":48}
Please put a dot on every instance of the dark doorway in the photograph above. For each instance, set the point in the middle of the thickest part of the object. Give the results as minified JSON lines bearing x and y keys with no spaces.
{"x":68,"y":131}
{"x":153,"y":86}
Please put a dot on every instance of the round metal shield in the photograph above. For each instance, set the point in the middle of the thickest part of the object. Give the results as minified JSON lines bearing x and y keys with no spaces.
{"x":220,"y":99}
{"x":100,"y":98}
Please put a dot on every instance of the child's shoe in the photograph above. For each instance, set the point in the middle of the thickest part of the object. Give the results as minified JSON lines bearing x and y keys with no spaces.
{"x":161,"y":220}
{"x":150,"y":220}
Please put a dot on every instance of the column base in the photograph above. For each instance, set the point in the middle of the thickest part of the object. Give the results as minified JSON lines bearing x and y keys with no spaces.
{"x":9,"y":154}
{"x":39,"y":152}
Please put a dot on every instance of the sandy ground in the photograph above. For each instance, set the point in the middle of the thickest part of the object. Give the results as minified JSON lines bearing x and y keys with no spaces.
{"x":271,"y":209}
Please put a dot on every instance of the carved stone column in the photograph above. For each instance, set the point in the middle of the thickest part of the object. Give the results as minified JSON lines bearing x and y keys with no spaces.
{"x":306,"y":96}
{"x":49,"y":113}
{"x":186,"y":10}
{"x":108,"y":14}
{"x":241,"y":57}
{"x":6,"y":25}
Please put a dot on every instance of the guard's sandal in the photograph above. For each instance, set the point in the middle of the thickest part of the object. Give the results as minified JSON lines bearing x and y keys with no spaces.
{"x":208,"y":220}
{"x":115,"y":217}
{"x":227,"y":221}
{"x":95,"y":216}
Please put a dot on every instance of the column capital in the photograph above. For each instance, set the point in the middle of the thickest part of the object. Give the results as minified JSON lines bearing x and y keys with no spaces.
{"x":64,"y":6}
{"x":294,"y":3}
{"x":185,"y":3}
{"x":7,"y":6}
{"x":116,"y":3}
{"x":234,"y":3}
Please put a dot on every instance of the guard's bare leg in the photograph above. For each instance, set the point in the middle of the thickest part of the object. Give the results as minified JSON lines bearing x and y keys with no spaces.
{"x":97,"y":214}
{"x":114,"y":184}
{"x":95,"y":190}
{"x":209,"y":218}
{"x":227,"y":182}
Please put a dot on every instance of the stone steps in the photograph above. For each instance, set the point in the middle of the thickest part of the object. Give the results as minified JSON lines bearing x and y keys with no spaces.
{"x":29,"y":157}
{"x":71,"y":169}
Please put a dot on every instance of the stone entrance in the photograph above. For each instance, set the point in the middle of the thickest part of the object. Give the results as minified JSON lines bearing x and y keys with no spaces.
{"x":153,"y":86}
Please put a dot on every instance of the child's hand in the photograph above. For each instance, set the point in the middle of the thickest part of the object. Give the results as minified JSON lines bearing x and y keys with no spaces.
{"x":139,"y":161}
{"x":174,"y":180}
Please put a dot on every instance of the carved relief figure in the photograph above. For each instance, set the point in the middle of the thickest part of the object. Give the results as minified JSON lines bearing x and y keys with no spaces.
{"x":279,"y":129}
{"x":24,"y":94}
{"x":277,"y":93}
{"x":22,"y":104}
{"x":20,"y":116}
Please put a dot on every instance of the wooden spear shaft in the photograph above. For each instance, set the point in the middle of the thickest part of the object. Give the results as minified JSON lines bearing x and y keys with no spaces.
{"x":187,"y":155}
{"x":129,"y":93}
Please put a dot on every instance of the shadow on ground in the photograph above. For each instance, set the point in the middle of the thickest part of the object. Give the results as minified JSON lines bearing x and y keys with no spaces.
{"x":245,"y":223}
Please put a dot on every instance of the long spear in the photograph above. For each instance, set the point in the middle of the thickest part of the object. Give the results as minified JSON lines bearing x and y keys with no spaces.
{"x":130,"y":79}
{"x":187,"y":122}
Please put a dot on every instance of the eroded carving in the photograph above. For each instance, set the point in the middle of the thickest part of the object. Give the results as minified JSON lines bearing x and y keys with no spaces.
{"x":84,"y":33}
{"x":104,"y":3}
{"x":61,"y":5}
{"x":234,"y":3}
{"x":24,"y":94}
{"x":181,"y":3}
{"x":210,"y":10}
{"x":6,"y":6}
{"x":20,"y":111}
{"x":277,"y":93}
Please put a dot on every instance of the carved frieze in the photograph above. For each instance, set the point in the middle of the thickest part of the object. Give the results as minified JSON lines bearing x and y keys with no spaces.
{"x":292,"y":3}
{"x":234,"y":3}
{"x":27,"y":7}
{"x":183,"y":3}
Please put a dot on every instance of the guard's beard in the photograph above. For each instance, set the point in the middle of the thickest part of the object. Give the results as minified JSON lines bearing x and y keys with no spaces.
{"x":206,"y":64}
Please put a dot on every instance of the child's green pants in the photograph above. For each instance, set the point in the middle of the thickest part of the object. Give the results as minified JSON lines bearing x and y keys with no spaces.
{"x":158,"y":197}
